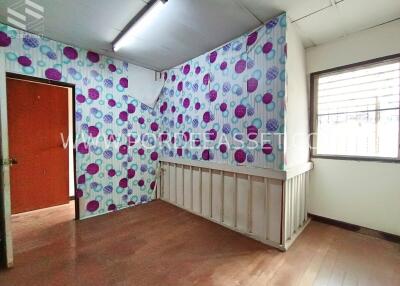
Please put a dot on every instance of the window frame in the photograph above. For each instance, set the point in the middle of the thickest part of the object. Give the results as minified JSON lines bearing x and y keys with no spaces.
{"x":314,"y":110}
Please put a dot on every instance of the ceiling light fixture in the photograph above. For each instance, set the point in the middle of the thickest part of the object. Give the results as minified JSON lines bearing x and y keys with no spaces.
{"x":138,"y":24}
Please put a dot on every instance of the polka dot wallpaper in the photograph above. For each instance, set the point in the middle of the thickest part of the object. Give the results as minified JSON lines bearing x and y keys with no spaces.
{"x":235,"y":95}
{"x":114,"y":170}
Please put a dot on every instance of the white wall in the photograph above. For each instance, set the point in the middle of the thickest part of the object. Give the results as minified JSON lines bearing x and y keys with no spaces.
{"x":143,"y":84}
{"x":296,"y":117}
{"x":362,"y":193}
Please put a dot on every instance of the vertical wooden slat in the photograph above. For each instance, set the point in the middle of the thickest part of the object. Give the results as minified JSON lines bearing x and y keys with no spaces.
{"x":211,"y":194}
{"x":296,"y":203}
{"x":292,"y":205}
{"x":289,"y":209}
{"x":287,"y":203}
{"x":235,"y":200}
{"x":159,"y":181}
{"x":169,"y":182}
{"x":201,"y":191}
{"x":183,"y":185}
{"x":191,"y":188}
{"x":250,"y":205}
{"x":300,"y":212}
{"x":305,"y":196}
{"x":267,"y":209}
{"x":176,"y":185}
{"x":284,"y":224}
{"x":302,"y":199}
{"x":222,"y":197}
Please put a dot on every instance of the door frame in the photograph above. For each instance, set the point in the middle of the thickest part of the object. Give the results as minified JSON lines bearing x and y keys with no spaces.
{"x":60,"y":84}
{"x":6,"y":203}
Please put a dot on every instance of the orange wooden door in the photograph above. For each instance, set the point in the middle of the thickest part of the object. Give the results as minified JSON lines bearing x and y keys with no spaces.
{"x":37,"y":114}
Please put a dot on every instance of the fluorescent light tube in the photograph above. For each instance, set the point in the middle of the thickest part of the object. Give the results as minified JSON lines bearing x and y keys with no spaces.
{"x":139,"y":27}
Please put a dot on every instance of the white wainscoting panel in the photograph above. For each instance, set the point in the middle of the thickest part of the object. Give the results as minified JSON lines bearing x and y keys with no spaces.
{"x":249,"y":204}
{"x":296,"y":206}
{"x":267,"y":206}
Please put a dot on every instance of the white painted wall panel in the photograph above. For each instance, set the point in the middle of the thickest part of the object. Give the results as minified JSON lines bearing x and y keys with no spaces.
{"x":296,"y":116}
{"x":144,"y":84}
{"x":361,"y":193}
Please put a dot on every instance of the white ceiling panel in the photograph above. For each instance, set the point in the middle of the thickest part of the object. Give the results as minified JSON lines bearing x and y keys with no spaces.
{"x":296,"y":9}
{"x":185,"y":29}
{"x":371,"y":13}
{"x":90,"y":24}
{"x":188,"y":28}
{"x":322,"y":26}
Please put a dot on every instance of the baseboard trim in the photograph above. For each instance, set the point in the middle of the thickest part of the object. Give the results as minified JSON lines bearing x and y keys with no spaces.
{"x":71,"y":198}
{"x":356,"y":228}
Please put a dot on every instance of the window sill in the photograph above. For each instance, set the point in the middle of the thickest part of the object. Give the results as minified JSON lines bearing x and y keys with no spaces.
{"x":357,"y":158}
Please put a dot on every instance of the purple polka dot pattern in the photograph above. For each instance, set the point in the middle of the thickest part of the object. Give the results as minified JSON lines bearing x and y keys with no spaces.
{"x":31,"y":41}
{"x":252,"y":132}
{"x":213,"y":56}
{"x":112,"y":68}
{"x":53,"y":74}
{"x":267,"y":47}
{"x":234,"y":91}
{"x":24,"y":61}
{"x":222,"y":92}
{"x":92,"y":169}
{"x":252,"y":38}
{"x":252,"y":84}
{"x":240,"y":66}
{"x":240,"y":111}
{"x":71,"y":53}
{"x":223,"y":65}
{"x":267,"y":149}
{"x":80,"y":98}
{"x":124,"y":82}
{"x":5,"y":40}
{"x":83,"y":148}
{"x":93,"y":57}
{"x":267,"y":98}
{"x":93,"y":93}
{"x":186,"y":69}
{"x":240,"y":156}
{"x":92,"y":206}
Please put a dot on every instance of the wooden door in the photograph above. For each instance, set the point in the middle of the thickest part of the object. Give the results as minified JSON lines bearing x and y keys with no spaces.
{"x":37,"y":115}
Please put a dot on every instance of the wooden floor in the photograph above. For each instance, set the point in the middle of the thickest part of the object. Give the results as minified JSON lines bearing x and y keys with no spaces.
{"x":159,"y":244}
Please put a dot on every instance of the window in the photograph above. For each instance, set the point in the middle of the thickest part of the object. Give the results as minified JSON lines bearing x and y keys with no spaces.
{"x":356,"y":110}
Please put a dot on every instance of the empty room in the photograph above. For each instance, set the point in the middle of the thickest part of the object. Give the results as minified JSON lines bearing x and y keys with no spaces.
{"x":200,"y":142}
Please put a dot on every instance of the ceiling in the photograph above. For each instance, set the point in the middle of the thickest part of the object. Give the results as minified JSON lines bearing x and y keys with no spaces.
{"x":188,"y":28}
